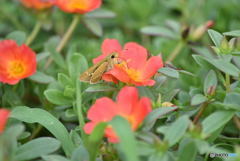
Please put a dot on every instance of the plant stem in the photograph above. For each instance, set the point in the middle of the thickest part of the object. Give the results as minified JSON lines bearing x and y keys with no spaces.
{"x":200,"y":112}
{"x":34,"y":32}
{"x":175,"y":52}
{"x":236,"y":121}
{"x":68,"y":34}
{"x":79,"y":105}
{"x":65,"y":38}
{"x":227,"y":83}
{"x":228,"y":89}
{"x":36,"y":132}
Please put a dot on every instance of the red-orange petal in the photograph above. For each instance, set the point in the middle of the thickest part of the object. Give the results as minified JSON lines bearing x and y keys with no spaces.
{"x":119,"y":73}
{"x":148,"y":82}
{"x":17,"y":62}
{"x":109,"y":46}
{"x":128,"y":106}
{"x":152,"y":66}
{"x":111,"y":135}
{"x":103,"y":110}
{"x":37,"y":4}
{"x":4,"y":114}
{"x":78,"y":6}
{"x":135,"y":55}
{"x":127,"y":99}
{"x":109,"y":78}
{"x":88,"y":128}
{"x":141,"y":110}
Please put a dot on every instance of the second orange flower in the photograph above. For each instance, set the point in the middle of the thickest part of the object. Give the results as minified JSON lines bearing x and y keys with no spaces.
{"x":17,"y":62}
{"x":38,"y":4}
{"x":128,"y":105}
{"x":78,"y":6}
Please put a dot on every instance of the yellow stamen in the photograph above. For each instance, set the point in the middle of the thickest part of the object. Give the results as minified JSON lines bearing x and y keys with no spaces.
{"x":16,"y":69}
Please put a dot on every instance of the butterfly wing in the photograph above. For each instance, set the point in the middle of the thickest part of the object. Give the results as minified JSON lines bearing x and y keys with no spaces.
{"x":97,"y":74}
{"x":86,"y":76}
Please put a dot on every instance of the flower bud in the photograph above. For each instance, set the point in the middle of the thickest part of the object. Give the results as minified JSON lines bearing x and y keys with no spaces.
{"x":198,"y":32}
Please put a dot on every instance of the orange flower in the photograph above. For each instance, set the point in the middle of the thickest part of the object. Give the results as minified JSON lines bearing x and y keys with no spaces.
{"x":37,"y":4}
{"x":78,"y":6}
{"x":135,"y":67}
{"x":17,"y":62}
{"x":4,"y":113}
{"x":128,"y":105}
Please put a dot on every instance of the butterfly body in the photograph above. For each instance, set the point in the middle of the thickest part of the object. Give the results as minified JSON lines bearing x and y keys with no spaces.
{"x":94,"y":74}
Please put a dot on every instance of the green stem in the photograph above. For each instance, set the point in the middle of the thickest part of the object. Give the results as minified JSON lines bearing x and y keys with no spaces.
{"x":65,"y":38}
{"x":34,"y":32}
{"x":227,"y":83}
{"x":175,"y":52}
{"x":36,"y":132}
{"x":68,"y":34}
{"x":79,"y":105}
{"x":200,"y":112}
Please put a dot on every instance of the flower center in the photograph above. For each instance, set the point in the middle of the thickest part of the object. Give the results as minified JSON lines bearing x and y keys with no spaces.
{"x":79,"y":5}
{"x":16,"y":68}
{"x":132,"y":73}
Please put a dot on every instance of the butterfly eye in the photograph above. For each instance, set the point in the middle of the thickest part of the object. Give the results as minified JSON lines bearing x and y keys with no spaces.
{"x":113,"y":56}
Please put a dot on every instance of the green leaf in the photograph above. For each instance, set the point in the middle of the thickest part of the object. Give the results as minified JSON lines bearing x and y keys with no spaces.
{"x":210,"y":82}
{"x":156,"y":114}
{"x":231,"y":101}
{"x":10,"y":136}
{"x":36,"y":115}
{"x":225,"y":66}
{"x":236,"y":60}
{"x":80,"y":154}
{"x":50,"y":46}
{"x":41,"y":77}
{"x":42,"y":56}
{"x":78,"y":64}
{"x":100,"y":88}
{"x":100,"y":13}
{"x":200,"y":60}
{"x":54,"y":158}
{"x":18,"y":36}
{"x":146,"y":92}
{"x":69,"y":92}
{"x":158,"y":31}
{"x":74,"y":134}
{"x":188,"y":152}
{"x":226,"y":106}
{"x":216,"y":37}
{"x":169,"y":72}
{"x":168,"y":96}
{"x":203,"y":51}
{"x":64,"y":80}
{"x":198,"y":99}
{"x":94,"y":26}
{"x":232,"y":98}
{"x":11,"y":97}
{"x":235,"y":33}
{"x":127,"y":144}
{"x":36,"y":148}
{"x":24,"y":135}
{"x":220,"y":64}
{"x":215,"y":135}
{"x":173,"y":25}
{"x":57,"y":97}
{"x":176,"y":130}
{"x":215,"y":121}
{"x":95,"y":139}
